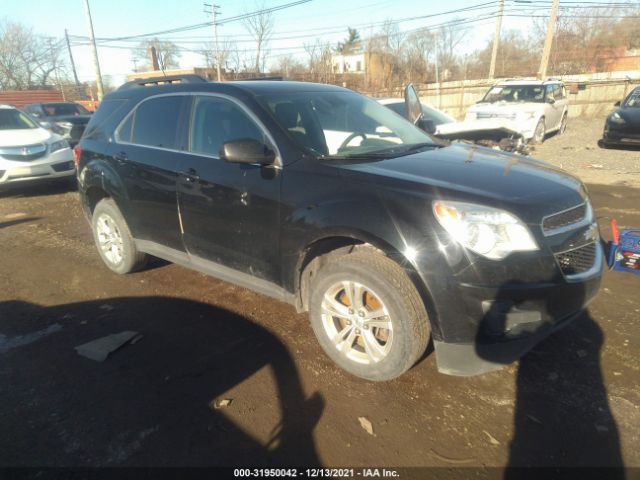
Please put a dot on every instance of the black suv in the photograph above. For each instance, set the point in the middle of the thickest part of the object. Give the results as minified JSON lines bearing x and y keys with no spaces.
{"x":321,"y":197}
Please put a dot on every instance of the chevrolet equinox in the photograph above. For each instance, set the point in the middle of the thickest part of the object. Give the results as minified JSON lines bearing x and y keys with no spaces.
{"x":318,"y":196}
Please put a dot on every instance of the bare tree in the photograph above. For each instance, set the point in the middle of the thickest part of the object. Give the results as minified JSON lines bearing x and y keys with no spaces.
{"x":225,"y":50}
{"x":28,"y":60}
{"x":168,"y":54}
{"x":260,"y":27}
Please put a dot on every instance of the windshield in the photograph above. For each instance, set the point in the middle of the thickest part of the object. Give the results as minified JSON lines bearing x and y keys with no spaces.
{"x":11,"y":119}
{"x":344,"y":124}
{"x":59,"y":109}
{"x":633,"y":100}
{"x":515,"y":94}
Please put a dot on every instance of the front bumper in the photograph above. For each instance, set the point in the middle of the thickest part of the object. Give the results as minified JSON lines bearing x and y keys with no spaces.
{"x":518,"y":318}
{"x":625,"y":134}
{"x":54,"y":165}
{"x":487,"y":314}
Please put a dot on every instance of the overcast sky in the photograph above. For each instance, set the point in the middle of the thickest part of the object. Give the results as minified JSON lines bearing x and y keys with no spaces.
{"x":295,"y":26}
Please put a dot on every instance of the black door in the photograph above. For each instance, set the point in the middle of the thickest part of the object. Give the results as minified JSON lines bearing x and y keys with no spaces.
{"x":147,"y":154}
{"x":229,"y":211}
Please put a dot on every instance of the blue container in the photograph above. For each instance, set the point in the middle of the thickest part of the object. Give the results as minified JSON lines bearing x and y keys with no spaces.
{"x":625,"y":255}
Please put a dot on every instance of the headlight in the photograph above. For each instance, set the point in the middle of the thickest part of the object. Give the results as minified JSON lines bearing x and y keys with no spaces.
{"x":59,"y":145}
{"x":490,"y":232}
{"x":616,"y":118}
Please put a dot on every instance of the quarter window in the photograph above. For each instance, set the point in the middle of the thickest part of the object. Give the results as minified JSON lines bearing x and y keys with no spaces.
{"x":218,"y":120}
{"x":156,"y":122}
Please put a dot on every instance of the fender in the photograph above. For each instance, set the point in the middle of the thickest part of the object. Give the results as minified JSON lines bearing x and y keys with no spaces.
{"x":99,"y":173}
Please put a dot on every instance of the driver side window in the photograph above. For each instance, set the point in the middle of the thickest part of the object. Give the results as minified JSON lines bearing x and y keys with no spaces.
{"x":215,"y":121}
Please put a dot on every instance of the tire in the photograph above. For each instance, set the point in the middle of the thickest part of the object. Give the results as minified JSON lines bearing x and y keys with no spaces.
{"x":563,"y":124}
{"x":362,"y":349}
{"x":113,"y":239}
{"x":539,"y":132}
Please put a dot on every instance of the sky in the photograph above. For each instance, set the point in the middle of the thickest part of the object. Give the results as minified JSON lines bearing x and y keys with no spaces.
{"x":324,"y":19}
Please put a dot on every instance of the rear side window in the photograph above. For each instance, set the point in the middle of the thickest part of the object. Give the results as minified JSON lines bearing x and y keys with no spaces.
{"x":156,"y":122}
{"x":218,"y":120}
{"x":106,"y":109}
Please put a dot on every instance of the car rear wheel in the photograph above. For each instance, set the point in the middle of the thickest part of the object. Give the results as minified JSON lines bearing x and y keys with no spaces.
{"x":113,"y":239}
{"x":368,"y":316}
{"x":539,"y":132}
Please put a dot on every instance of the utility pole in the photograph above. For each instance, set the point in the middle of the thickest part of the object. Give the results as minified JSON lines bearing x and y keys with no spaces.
{"x":214,"y":13}
{"x":94,"y":50}
{"x":73,"y":64}
{"x":496,"y":41}
{"x":548,"y":41}
{"x":437,"y":72}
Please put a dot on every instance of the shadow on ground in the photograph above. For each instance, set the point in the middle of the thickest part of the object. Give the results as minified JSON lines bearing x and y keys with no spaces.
{"x":562,"y":415}
{"x":41,"y":188}
{"x":148,"y":403}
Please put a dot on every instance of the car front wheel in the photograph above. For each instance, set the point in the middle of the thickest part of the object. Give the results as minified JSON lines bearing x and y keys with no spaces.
{"x":113,"y":239}
{"x":563,"y":124}
{"x":539,"y":132}
{"x":368,"y":316}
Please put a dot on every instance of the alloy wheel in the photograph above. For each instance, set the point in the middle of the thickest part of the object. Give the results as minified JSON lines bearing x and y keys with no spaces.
{"x":357,"y":322}
{"x":109,"y":239}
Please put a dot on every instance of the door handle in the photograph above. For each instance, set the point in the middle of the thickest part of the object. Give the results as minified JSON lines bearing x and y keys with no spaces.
{"x":191,"y":175}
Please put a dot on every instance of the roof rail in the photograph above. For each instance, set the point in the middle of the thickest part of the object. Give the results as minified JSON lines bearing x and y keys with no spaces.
{"x":146,"y":82}
{"x":270,"y":79}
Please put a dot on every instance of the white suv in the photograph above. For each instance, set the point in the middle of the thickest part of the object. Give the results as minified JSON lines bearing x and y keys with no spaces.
{"x":28,"y":152}
{"x":533,"y":107}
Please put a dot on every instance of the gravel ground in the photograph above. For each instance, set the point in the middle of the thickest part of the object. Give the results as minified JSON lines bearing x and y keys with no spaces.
{"x":573,"y":401}
{"x":577,"y":151}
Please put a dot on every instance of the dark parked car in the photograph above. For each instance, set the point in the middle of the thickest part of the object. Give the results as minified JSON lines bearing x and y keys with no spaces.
{"x":64,"y":118}
{"x":323,"y":198}
{"x":622,"y":127}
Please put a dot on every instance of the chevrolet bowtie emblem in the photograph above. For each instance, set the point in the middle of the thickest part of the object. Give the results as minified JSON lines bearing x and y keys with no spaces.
{"x":26,"y":151}
{"x":592,"y":232}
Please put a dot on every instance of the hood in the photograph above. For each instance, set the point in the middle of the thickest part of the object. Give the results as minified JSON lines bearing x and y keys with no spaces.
{"x":631,"y":115}
{"x":479,"y":126}
{"x":22,"y":137}
{"x":470,"y":173}
{"x":75,"y":119}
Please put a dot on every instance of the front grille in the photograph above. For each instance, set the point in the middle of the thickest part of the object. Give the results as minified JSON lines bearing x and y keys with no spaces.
{"x":484,"y":115}
{"x":578,"y":260}
{"x":24,"y":154}
{"x":563,"y":219}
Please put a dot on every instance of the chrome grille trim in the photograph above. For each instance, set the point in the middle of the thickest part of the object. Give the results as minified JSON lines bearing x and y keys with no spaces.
{"x":566,"y":220}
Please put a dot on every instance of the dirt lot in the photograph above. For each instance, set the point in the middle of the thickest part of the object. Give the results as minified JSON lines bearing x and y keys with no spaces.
{"x":574,"y":400}
{"x":577,"y":151}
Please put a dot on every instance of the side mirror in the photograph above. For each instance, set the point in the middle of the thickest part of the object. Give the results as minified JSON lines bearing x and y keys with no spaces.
{"x":412,"y":104}
{"x":551,"y":100}
{"x":247,"y":150}
{"x":617,"y":104}
{"x":426,"y":125}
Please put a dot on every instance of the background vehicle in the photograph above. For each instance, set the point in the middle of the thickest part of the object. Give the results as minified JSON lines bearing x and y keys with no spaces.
{"x":318,"y":196}
{"x":622,"y":127}
{"x":534,"y":108}
{"x":432,"y":118}
{"x":491,"y":132}
{"x":28,"y":152}
{"x":64,"y":118}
